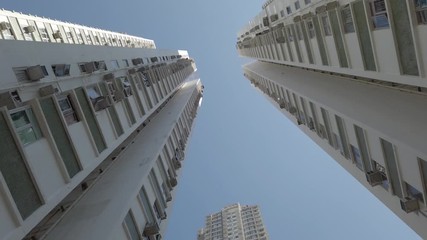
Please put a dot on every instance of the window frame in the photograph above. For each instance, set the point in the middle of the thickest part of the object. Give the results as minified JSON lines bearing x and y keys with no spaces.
{"x":32,"y":124}
{"x":69,"y":112}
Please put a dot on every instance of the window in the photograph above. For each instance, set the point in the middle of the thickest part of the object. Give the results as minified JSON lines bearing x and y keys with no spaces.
{"x":326,"y":25}
{"x":392,"y":166}
{"x":22,"y":74}
{"x":67,"y":109}
{"x":347,"y":19}
{"x":307,"y":2}
{"x":146,"y":205}
{"x":379,"y":14}
{"x":126,"y":62}
{"x":297,"y":5}
{"x":288,"y":9}
{"x":421,"y":11}
{"x":310,"y":27}
{"x":115,"y":64}
{"x":43,"y":32}
{"x":131,"y":226}
{"x":61,"y":70}
{"x":413,"y":192}
{"x":79,"y":36}
{"x":356,"y":157}
{"x":26,"y":30}
{"x":127,"y":89}
{"x":6,"y":29}
{"x":382,"y":170}
{"x":88,"y":38}
{"x":26,"y":126}
{"x":68,"y":35}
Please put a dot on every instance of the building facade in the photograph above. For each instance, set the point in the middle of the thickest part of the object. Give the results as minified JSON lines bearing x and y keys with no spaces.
{"x":351,"y":75}
{"x":94,"y":126}
{"x":234,"y":222}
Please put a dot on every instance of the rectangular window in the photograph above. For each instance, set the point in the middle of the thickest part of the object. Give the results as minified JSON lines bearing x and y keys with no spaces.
{"x":148,"y":211}
{"x":307,"y":2}
{"x":379,"y":14}
{"x":347,"y":19}
{"x":289,"y":10}
{"x":310,"y":28}
{"x":114,"y":64}
{"x":413,"y":192}
{"x":282,"y":13}
{"x":67,"y":109}
{"x":356,"y":157}
{"x":297,"y":5}
{"x":343,"y":136}
{"x":43,"y":32}
{"x":125,"y":62}
{"x":131,"y":226}
{"x":26,"y":126}
{"x":6,"y":28}
{"x":61,"y":70}
{"x":421,"y":11}
{"x":16,"y":174}
{"x":392,"y":167}
{"x":326,"y":25}
{"x":363,"y":146}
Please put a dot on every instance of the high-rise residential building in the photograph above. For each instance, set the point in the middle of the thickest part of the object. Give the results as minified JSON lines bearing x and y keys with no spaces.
{"x":235,"y":222}
{"x":93,"y":126}
{"x":352,"y":76}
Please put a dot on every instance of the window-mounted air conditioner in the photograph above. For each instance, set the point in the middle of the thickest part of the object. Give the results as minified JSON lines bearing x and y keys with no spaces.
{"x":4,"y":26}
{"x":274,"y":17}
{"x":35,"y":73}
{"x":374,"y":178}
{"x":281,"y":39}
{"x":102,"y":103}
{"x":177,"y":164}
{"x":132,"y":71}
{"x":109,"y":77}
{"x":47,"y":90}
{"x":311,"y":125}
{"x":292,"y":110}
{"x":173,"y":182}
{"x":409,"y":204}
{"x":57,"y":35}
{"x":9,"y":100}
{"x":119,"y":95}
{"x":150,"y":229}
{"x":282,"y":104}
{"x":29,"y":29}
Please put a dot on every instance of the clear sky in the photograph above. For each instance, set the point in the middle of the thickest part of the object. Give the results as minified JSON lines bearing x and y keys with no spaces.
{"x":242,"y":149}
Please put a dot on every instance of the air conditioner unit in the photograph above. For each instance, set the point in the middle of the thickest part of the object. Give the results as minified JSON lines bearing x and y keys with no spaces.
{"x":151,"y":229}
{"x":173,"y":182}
{"x":374,"y":178}
{"x":35,"y":73}
{"x":280,"y":39}
{"x":282,"y":104}
{"x":8,"y":100}
{"x":311,"y":125}
{"x":29,"y":29}
{"x":47,"y":90}
{"x":132,"y":71}
{"x":57,"y":35}
{"x":101,"y":104}
{"x":177,"y":164}
{"x":119,"y":95}
{"x":274,"y":17}
{"x":292,"y":110}
{"x":136,"y":61}
{"x":168,"y":196}
{"x":90,"y":67}
{"x":109,"y":77}
{"x":4,"y":26}
{"x":409,"y":204}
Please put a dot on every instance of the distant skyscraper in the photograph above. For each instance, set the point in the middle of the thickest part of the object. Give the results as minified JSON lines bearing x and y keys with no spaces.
{"x":234,"y":222}
{"x":93,"y":127}
{"x":352,"y":76}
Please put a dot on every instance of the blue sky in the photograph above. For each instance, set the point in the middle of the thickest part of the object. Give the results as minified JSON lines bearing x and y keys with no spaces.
{"x":242,"y":149}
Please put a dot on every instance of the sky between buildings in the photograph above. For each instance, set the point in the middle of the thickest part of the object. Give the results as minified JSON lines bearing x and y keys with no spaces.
{"x":242,"y":149}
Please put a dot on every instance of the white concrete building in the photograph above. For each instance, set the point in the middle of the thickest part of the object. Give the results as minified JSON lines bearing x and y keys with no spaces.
{"x":234,"y":222}
{"x":93,"y":126}
{"x":352,"y":76}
